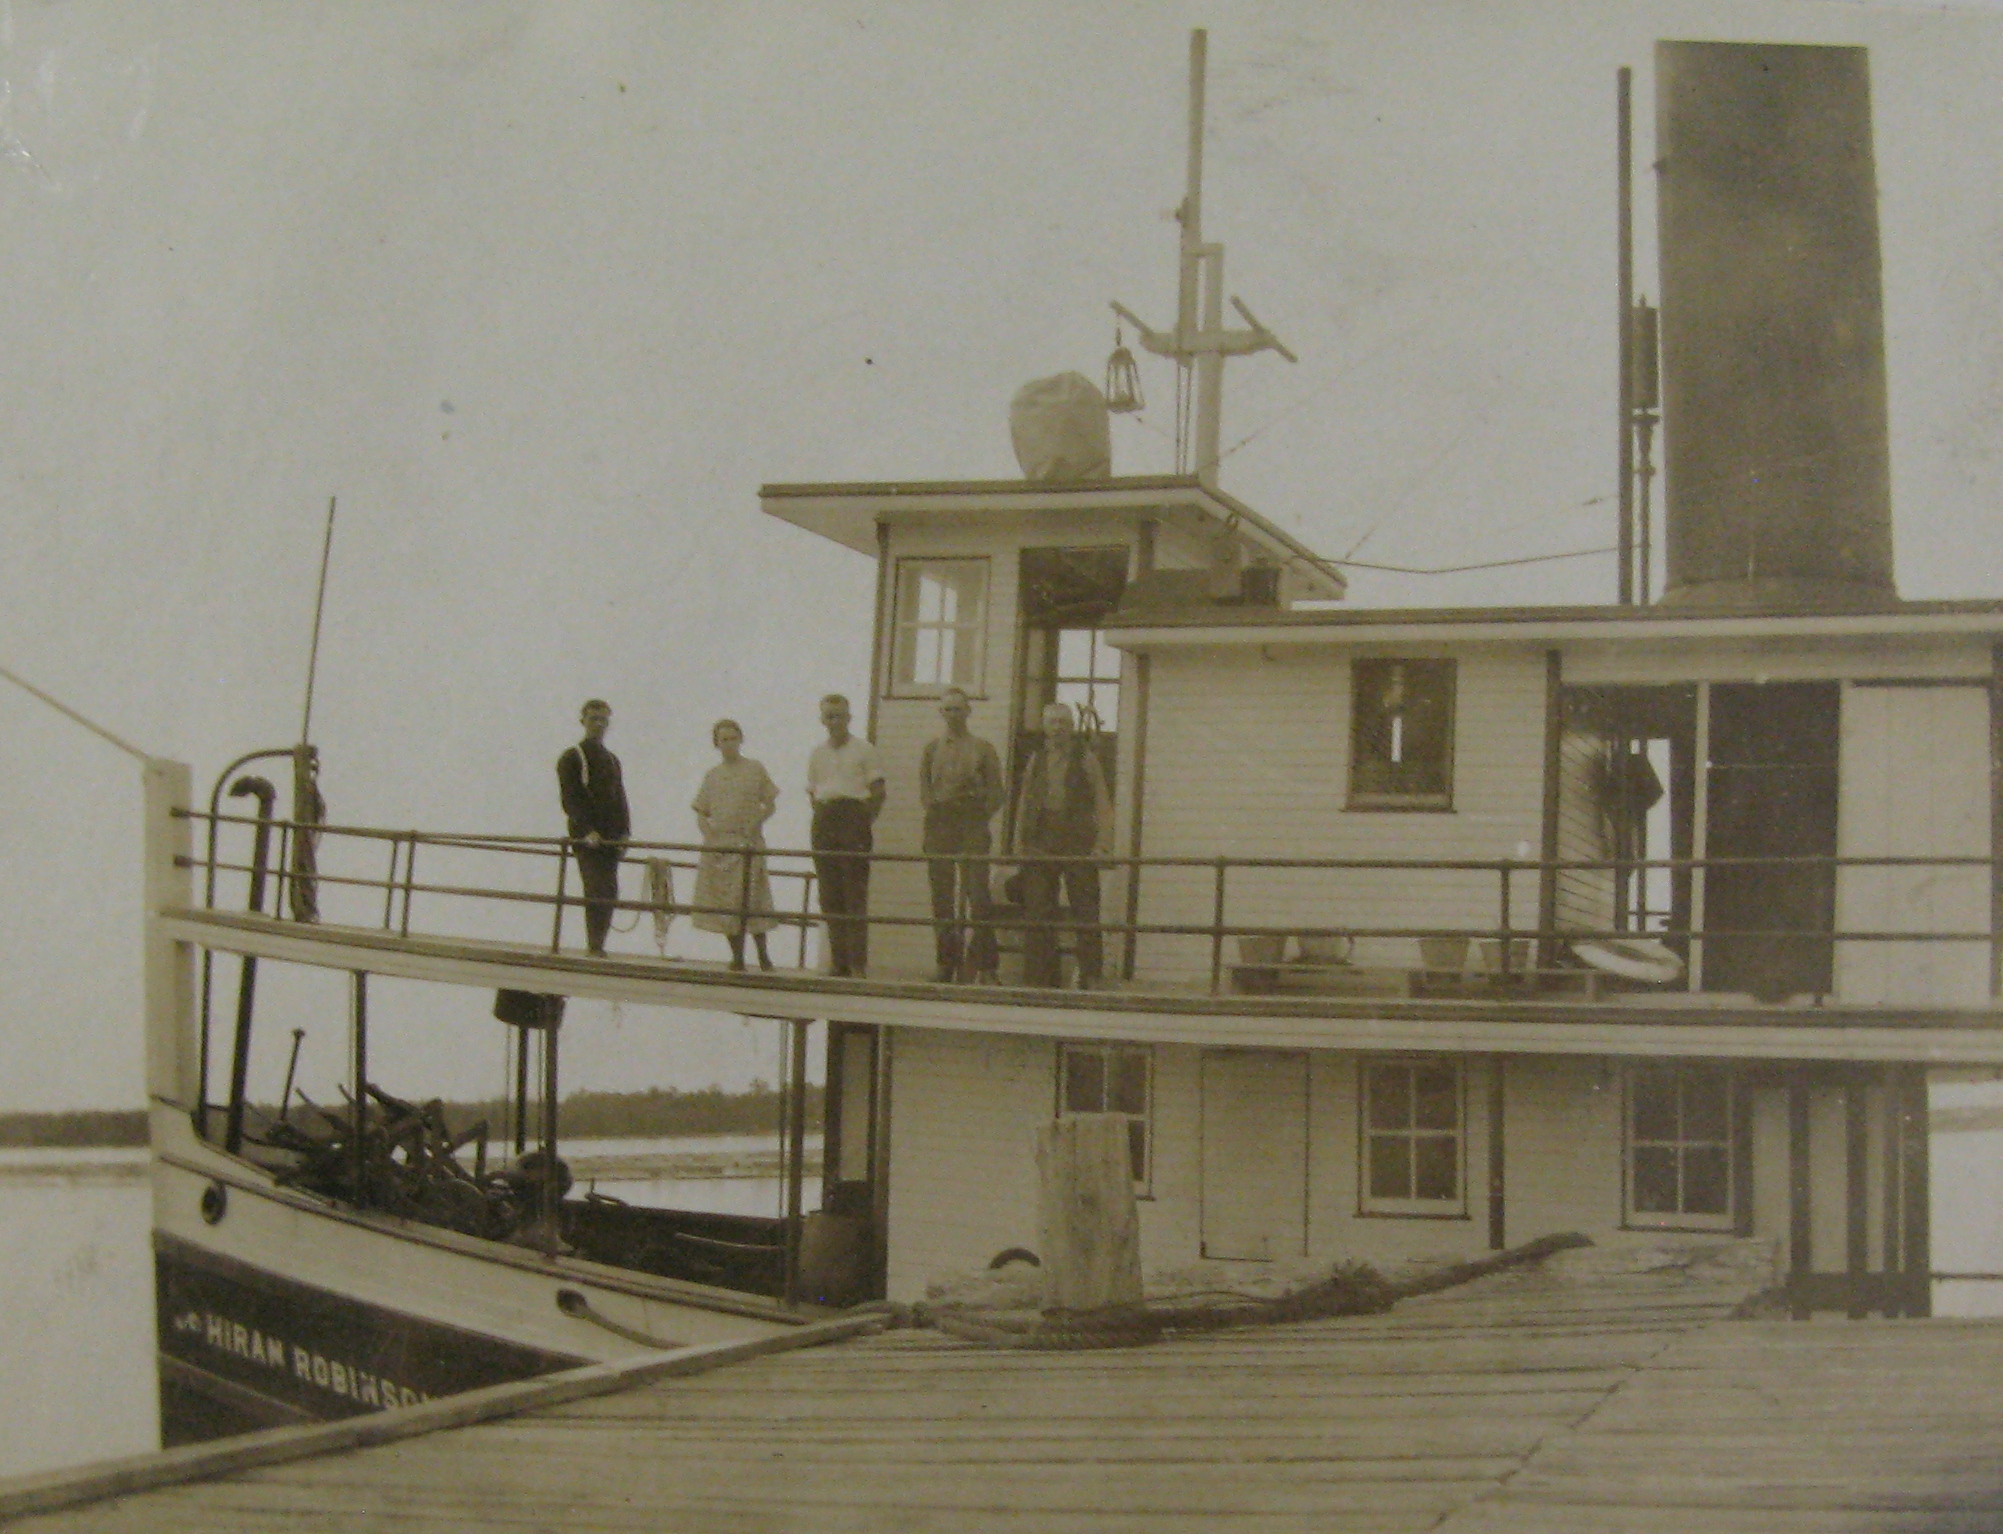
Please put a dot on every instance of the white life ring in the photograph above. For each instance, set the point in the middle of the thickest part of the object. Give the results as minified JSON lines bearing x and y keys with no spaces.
{"x":1636,"y":958}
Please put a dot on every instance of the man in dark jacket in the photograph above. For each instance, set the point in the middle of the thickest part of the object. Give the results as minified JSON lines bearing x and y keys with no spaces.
{"x":1065,"y":811}
{"x":594,"y":802}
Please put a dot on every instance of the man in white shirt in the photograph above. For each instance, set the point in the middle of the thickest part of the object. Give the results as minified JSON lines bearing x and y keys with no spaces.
{"x":845,"y":786}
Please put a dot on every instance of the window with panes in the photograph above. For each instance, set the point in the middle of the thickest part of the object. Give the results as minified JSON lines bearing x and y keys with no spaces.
{"x":1413,"y":1116}
{"x":1401,"y":737}
{"x":940,"y":626}
{"x":1682,"y":1146}
{"x":1111,"y":1078}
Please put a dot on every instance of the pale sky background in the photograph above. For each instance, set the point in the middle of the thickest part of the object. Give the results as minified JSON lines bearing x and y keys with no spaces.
{"x":545,"y":292}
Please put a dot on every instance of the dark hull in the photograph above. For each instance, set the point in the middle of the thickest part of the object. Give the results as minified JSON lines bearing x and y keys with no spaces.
{"x":242,"y":1348}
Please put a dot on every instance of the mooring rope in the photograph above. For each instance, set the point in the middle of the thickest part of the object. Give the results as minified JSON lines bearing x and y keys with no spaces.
{"x":1353,"y":1289}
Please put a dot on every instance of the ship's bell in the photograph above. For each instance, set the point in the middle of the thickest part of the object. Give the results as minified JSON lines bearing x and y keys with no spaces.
{"x":1123,"y":380}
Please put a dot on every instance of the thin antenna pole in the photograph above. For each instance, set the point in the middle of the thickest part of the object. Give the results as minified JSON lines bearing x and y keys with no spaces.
{"x":1192,"y":199}
{"x":319,"y":606}
{"x":1190,"y":272}
{"x":1624,"y":161}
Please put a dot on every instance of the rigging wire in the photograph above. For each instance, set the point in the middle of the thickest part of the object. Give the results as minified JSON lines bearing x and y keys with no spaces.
{"x":1491,"y":564}
{"x":63,"y":708}
{"x":319,"y":607}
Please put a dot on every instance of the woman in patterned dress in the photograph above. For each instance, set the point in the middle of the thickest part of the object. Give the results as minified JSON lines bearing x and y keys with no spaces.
{"x":732,"y":806}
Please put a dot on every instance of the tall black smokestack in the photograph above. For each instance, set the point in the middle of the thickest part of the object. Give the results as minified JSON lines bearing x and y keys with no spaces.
{"x":1776,"y":467}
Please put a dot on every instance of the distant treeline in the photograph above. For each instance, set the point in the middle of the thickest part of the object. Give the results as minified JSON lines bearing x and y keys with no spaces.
{"x":656,"y":1113}
{"x":653,"y":1114}
{"x":83,"y":1126}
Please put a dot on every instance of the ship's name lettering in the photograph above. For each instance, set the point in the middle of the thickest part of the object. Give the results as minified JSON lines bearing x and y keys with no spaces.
{"x":314,"y":1368}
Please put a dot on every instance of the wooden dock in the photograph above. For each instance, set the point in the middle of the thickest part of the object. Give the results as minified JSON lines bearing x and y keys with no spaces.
{"x":1578,"y":1397}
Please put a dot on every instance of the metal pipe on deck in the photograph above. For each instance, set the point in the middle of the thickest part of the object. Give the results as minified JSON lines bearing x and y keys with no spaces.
{"x":246,"y":996}
{"x":361,"y":1063}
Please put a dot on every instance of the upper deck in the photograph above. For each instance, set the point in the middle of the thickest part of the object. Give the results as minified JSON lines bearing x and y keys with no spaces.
{"x":501,"y":912}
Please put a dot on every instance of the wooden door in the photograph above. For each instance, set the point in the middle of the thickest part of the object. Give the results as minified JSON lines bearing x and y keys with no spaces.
{"x":1772,"y":794}
{"x":1255,"y":1121}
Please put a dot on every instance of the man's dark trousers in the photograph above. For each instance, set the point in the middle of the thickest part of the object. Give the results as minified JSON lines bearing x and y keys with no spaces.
{"x":1040,"y":880}
{"x":962,"y":835}
{"x":842,"y":825}
{"x":598,"y":870}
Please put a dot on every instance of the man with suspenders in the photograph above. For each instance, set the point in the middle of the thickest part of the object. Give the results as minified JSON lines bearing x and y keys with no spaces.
{"x":594,"y":802}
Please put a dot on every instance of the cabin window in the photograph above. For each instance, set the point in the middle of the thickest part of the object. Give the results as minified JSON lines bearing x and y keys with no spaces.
{"x":942,"y":608}
{"x":1413,"y":1115}
{"x":1088,"y":678}
{"x":1682,"y":1144}
{"x":1401,"y":738}
{"x":1112,"y":1078}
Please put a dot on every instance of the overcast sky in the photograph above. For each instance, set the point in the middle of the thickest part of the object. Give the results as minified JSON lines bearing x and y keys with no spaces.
{"x":545,"y":292}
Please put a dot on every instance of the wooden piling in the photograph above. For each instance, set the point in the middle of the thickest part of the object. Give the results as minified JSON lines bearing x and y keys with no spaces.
{"x":1091,"y":1239}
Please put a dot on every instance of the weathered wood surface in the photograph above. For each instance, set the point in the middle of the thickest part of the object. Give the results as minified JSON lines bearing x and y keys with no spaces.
{"x":1091,"y":1232}
{"x":1548,"y":1401}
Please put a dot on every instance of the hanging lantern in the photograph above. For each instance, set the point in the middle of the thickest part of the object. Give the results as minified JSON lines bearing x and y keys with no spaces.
{"x":1123,"y":379}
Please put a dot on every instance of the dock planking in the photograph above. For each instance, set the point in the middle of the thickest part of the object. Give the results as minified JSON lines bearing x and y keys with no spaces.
{"x":1570,"y":1398}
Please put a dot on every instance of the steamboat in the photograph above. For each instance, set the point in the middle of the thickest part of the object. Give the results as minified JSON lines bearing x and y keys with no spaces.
{"x":1419,"y":932}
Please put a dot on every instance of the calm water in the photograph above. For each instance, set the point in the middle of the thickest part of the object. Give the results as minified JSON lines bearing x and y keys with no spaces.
{"x":76,"y":1285}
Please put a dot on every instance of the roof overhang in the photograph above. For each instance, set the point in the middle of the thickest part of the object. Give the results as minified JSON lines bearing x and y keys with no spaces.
{"x":1545,"y":625}
{"x":850,"y":514}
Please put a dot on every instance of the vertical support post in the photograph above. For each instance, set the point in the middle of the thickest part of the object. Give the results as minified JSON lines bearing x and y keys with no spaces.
{"x":521,"y":1091}
{"x":1700,"y":831}
{"x":1996,"y":820}
{"x":796,"y":1158}
{"x":1740,"y":1106}
{"x":833,"y":1066}
{"x":1645,"y":397}
{"x":1857,"y":1191}
{"x":409,"y":882}
{"x":879,"y":1155}
{"x":1890,"y":1079}
{"x":1217,"y":933}
{"x":552,"y":1196}
{"x":1801,"y":1180}
{"x":173,"y":1045}
{"x":1554,"y":745}
{"x":1624,"y":178}
{"x":562,"y":875}
{"x":283,"y":878}
{"x":743,"y":900}
{"x":1210,"y":371}
{"x":246,"y":1003}
{"x":389,"y":883}
{"x":879,"y":642}
{"x":806,"y":912}
{"x":360,"y":1031}
{"x":246,"y":997}
{"x":1497,"y":1185}
{"x":1918,"y":1195}
{"x":1137,"y":731}
{"x":1502,"y":962}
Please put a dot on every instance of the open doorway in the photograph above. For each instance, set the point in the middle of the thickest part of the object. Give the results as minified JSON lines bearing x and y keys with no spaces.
{"x":1061,"y":657}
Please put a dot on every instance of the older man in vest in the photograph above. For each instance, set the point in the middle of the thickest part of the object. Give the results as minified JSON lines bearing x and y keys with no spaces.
{"x":1064,"y":811}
